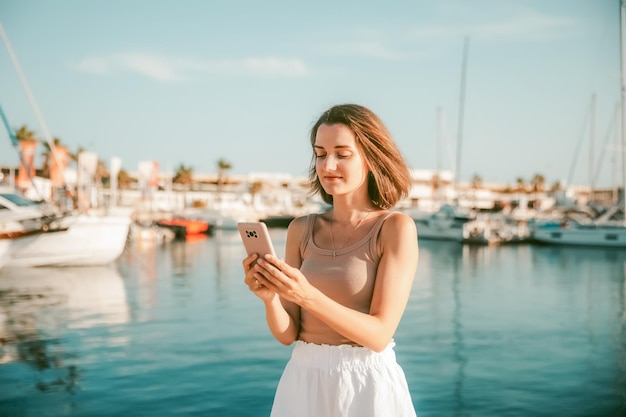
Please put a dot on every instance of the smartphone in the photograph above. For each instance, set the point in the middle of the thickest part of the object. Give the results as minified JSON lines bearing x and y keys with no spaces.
{"x":256,"y":238}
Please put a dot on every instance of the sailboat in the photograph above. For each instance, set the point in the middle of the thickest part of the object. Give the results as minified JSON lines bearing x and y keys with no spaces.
{"x":448,"y":222}
{"x":55,"y":239}
{"x":84,"y":238}
{"x":608,"y":230}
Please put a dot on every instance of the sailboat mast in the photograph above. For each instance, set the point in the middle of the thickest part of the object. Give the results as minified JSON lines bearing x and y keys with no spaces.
{"x":459,"y":142}
{"x":31,"y":97}
{"x":592,"y":134}
{"x":614,"y":161}
{"x":623,"y":99}
{"x":439,"y":153}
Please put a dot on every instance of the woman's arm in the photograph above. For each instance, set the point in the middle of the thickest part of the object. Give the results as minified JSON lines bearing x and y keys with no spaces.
{"x":280,"y":320}
{"x":282,"y":316}
{"x":394,"y":278}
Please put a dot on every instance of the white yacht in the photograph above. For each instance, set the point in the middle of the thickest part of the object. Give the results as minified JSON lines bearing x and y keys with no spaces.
{"x":84,"y":239}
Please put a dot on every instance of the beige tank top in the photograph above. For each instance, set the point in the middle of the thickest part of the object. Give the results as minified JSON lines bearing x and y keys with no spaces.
{"x":348,"y":278}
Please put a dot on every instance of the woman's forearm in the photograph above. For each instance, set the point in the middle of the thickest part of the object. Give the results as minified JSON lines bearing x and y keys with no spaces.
{"x":280,"y":322}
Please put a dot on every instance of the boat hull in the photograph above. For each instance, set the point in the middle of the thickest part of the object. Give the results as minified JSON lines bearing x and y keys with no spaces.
{"x":183,"y":228}
{"x":582,"y":236}
{"x":88,"y":241}
{"x":9,"y":246}
{"x":433,"y":230}
{"x":444,"y":224}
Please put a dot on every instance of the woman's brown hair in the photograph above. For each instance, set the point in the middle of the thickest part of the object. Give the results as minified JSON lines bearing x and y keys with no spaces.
{"x":389,"y":179}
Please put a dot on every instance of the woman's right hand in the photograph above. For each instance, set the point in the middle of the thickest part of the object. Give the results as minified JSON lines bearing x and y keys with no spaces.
{"x":253,"y":284}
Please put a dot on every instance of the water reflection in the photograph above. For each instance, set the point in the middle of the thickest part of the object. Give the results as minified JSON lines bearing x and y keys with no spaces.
{"x":226,"y":245}
{"x":185,"y":253}
{"x":459,"y":356}
{"x":530,"y":323}
{"x":510,"y":331}
{"x":620,"y":336}
{"x":38,"y":305}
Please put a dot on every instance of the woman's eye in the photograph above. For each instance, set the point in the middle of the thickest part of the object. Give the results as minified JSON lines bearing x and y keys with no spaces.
{"x":320,"y":156}
{"x":343,"y":156}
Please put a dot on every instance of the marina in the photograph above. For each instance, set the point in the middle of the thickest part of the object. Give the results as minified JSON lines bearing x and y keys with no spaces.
{"x":122,"y":293}
{"x":170,"y":329}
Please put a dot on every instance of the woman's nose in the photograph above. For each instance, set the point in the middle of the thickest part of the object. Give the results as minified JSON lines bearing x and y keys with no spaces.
{"x":330,"y":163}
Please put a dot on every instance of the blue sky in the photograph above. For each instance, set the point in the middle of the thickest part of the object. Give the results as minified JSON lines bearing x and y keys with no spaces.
{"x":195,"y":81}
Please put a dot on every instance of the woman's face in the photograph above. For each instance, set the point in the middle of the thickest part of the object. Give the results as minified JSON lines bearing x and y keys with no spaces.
{"x":339,"y":163}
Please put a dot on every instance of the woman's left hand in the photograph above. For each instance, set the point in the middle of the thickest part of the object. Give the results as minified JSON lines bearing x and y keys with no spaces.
{"x":284,"y":279}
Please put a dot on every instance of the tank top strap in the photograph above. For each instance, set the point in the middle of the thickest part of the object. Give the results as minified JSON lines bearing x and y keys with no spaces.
{"x":308,"y":233}
{"x":373,"y":241}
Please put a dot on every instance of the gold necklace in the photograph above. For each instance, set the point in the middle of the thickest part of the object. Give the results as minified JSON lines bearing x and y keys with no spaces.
{"x":332,"y":241}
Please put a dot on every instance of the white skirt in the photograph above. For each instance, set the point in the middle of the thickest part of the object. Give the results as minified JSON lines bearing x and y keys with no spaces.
{"x":342,"y":381}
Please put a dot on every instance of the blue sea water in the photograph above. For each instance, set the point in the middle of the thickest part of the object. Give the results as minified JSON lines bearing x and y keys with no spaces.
{"x":170,"y":330}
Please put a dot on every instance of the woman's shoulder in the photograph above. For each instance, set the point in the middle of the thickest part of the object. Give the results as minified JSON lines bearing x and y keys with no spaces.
{"x":301,"y":221}
{"x":397,"y":222}
{"x":397,"y":231}
{"x":397,"y":217}
{"x":298,"y":225}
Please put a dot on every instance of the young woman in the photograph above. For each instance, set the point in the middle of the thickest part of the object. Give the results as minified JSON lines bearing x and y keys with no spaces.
{"x":344,"y":284}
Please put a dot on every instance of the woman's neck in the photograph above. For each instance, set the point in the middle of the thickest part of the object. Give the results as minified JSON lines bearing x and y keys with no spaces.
{"x":351,"y":213}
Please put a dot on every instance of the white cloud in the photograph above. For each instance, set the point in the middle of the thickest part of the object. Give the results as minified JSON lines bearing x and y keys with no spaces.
{"x":368,"y":49}
{"x":398,"y":44}
{"x":531,"y":26}
{"x":94,"y":65}
{"x":168,"y":69}
{"x":274,"y":66}
{"x":264,"y":67}
{"x":157,"y":68}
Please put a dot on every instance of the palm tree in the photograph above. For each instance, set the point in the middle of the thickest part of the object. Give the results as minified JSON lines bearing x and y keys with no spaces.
{"x":102,"y":173}
{"x":255,"y":188}
{"x":556,"y":186}
{"x":183,"y":175}
{"x":477,"y":182}
{"x":436,"y":191}
{"x":538,"y":182}
{"x":222,"y":167}
{"x":123,"y":179}
{"x":74,"y":156}
{"x":47,"y":155}
{"x":24,"y":134}
{"x":27,"y":143}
